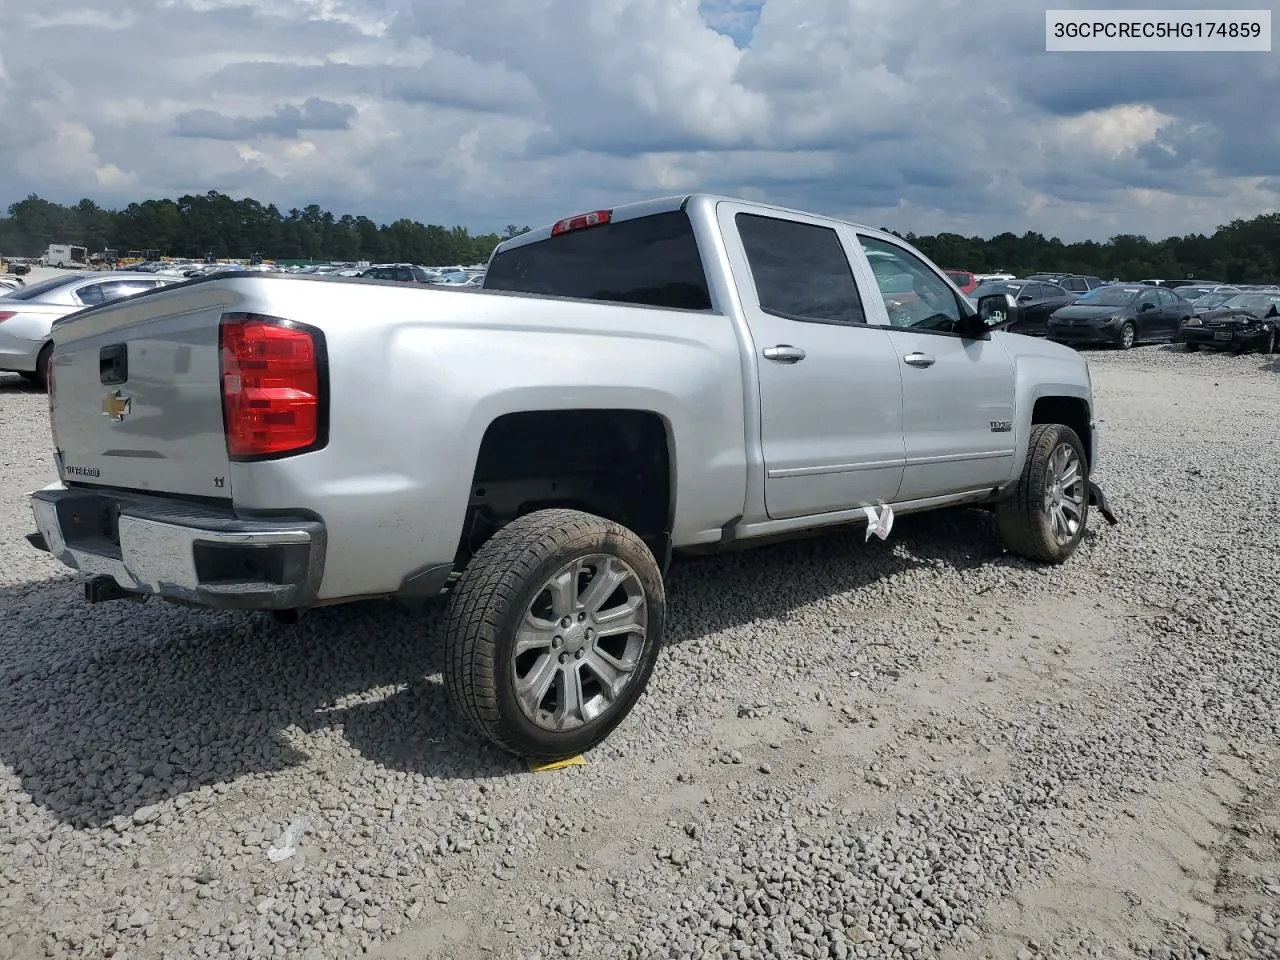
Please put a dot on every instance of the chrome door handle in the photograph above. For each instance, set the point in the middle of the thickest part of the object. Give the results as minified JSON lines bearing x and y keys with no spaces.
{"x":784,"y":353}
{"x":919,"y":359}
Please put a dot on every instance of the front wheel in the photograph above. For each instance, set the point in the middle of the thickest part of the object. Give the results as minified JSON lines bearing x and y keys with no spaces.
{"x":1045,"y":517}
{"x":1128,"y":335}
{"x":553,"y":631}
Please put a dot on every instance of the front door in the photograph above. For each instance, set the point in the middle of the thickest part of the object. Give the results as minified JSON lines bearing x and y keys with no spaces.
{"x":957,"y":393}
{"x":829,"y":382}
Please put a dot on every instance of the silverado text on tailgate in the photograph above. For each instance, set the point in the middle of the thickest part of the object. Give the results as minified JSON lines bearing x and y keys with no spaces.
{"x":692,"y":373}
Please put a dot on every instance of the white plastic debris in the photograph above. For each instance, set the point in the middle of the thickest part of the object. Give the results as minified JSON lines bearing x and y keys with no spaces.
{"x":879,"y":522}
{"x":287,"y":845}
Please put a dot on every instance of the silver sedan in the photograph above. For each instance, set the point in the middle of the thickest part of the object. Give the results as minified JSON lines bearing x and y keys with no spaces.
{"x":27,"y":315}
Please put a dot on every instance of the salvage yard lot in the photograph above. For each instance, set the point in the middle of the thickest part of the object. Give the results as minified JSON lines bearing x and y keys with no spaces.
{"x":848,"y":748}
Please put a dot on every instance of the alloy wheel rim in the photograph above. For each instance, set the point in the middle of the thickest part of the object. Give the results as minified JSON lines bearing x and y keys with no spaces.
{"x":579,"y":643}
{"x":1064,"y":495}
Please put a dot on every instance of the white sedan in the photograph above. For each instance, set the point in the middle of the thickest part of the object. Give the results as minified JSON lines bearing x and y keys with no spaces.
{"x":27,"y":315}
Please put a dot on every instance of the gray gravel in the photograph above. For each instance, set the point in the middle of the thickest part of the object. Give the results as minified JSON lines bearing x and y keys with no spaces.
{"x":914,"y":748}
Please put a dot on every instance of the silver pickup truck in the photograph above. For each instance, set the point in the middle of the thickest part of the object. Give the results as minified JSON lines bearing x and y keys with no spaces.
{"x":693,"y":373}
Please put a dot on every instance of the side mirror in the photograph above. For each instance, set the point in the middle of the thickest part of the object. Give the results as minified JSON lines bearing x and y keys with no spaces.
{"x":1145,"y":307}
{"x":997,"y":310}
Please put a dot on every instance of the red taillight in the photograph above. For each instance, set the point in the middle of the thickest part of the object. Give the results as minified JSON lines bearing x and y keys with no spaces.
{"x":580,"y":222}
{"x":272,"y":381}
{"x":6,"y":314}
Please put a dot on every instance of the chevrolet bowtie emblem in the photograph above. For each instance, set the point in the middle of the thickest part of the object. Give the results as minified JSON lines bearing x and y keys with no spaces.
{"x":116,"y":407}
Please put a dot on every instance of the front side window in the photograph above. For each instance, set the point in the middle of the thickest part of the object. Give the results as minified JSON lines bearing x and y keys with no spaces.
{"x":914,"y":296}
{"x":801,"y":271}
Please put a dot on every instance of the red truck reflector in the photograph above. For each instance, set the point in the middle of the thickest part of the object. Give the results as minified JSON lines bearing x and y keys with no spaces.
{"x":273,"y":375}
{"x":6,"y":314}
{"x":581,"y":222}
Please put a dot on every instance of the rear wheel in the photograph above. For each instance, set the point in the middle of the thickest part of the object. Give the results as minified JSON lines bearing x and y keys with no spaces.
{"x":1045,"y":517}
{"x":553,"y":631}
{"x":40,"y":375}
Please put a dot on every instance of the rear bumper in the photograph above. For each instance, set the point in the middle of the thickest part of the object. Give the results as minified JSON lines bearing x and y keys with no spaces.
{"x":18,"y":353}
{"x":181,"y":551}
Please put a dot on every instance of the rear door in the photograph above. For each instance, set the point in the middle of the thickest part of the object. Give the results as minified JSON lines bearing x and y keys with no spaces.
{"x":1173,"y":309}
{"x":1147,"y":315}
{"x":830,"y":386}
{"x":957,"y":393}
{"x":1054,"y":298}
{"x":1034,"y":308}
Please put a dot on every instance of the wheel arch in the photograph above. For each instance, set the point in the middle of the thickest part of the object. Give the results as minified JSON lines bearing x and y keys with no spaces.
{"x":1071,"y":412}
{"x":619,"y":463}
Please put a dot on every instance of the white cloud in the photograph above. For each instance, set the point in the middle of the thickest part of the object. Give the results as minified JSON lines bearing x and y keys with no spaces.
{"x":918,"y":115}
{"x":1113,"y":131}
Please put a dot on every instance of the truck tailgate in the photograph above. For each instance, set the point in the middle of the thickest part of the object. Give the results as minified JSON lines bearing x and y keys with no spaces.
{"x":135,"y":399}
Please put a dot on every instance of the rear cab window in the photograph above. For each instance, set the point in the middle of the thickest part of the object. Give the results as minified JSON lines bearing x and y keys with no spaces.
{"x":651,"y":261}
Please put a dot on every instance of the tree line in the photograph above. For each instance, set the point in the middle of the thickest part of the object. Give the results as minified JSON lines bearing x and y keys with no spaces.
{"x":1242,"y":251}
{"x":196,"y":225}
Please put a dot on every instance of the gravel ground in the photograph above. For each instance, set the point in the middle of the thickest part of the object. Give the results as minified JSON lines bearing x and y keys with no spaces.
{"x":914,"y":748}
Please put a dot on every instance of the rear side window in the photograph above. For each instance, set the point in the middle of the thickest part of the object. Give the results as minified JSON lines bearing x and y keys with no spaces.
{"x":800,"y":270}
{"x":650,"y":260}
{"x":91,"y":294}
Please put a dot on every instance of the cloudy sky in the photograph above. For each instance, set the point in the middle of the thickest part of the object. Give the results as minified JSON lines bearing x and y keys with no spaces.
{"x":922,"y":115}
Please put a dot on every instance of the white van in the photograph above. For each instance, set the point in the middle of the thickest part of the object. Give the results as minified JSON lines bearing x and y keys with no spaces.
{"x":65,"y":255}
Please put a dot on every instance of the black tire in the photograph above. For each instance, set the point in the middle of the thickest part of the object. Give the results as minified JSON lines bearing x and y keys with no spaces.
{"x":1023,"y":517}
{"x":489,"y":602}
{"x":1192,"y":347}
{"x":1128,"y":335}
{"x":40,"y":376}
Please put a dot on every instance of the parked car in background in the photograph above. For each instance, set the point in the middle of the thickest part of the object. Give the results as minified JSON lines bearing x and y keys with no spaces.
{"x":1211,"y":300}
{"x":400,"y":272}
{"x":1244,"y":322}
{"x":1175,"y":284}
{"x":1120,"y":315}
{"x":966,"y":281}
{"x":1073,"y":282}
{"x":1194,"y":291}
{"x":1036,"y":301}
{"x":27,"y":315}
